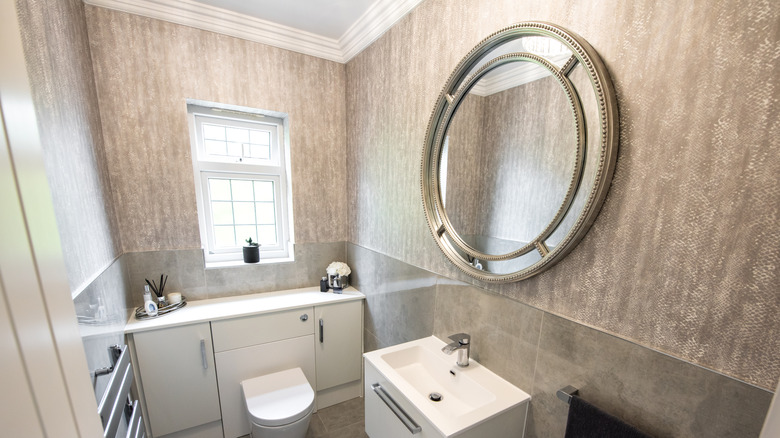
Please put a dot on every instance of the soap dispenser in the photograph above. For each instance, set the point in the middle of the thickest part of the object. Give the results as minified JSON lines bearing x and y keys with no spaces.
{"x":149,"y":305}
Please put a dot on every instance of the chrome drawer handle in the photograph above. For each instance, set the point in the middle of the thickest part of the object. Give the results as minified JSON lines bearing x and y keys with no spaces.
{"x":413,"y":427}
{"x":203,"y":354}
{"x":305,"y":317}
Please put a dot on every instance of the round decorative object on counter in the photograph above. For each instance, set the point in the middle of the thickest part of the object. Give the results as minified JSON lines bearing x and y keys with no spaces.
{"x":140,"y":313}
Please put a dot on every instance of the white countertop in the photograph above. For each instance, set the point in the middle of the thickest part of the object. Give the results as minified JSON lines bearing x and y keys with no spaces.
{"x":242,"y":305}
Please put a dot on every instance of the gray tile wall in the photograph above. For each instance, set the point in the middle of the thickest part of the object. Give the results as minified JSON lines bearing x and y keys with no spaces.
{"x":102,"y":309}
{"x":186,"y":272}
{"x":540,"y":353}
{"x":399,"y":298}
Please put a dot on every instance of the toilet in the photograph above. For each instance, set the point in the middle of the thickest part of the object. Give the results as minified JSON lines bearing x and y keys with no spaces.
{"x":279,"y":405}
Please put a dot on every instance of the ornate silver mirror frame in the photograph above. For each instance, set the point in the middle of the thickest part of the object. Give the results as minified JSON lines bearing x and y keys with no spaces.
{"x":602,"y":140}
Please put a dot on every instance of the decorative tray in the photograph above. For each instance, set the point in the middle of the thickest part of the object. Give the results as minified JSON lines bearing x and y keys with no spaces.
{"x":140,"y":313}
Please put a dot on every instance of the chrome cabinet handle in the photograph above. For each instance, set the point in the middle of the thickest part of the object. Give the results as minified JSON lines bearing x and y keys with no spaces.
{"x":203,"y":354}
{"x":413,"y":427}
{"x":322,"y":331}
{"x":305,"y":317}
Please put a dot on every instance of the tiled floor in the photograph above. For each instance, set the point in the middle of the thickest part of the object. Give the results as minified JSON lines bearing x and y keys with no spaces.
{"x":344,"y":420}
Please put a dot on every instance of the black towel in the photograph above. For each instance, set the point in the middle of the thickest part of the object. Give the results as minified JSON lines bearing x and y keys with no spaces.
{"x":588,"y":421}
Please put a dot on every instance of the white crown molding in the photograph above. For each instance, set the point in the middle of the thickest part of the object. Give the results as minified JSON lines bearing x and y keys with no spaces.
{"x":372,"y":24}
{"x":377,"y":20}
{"x":201,"y":16}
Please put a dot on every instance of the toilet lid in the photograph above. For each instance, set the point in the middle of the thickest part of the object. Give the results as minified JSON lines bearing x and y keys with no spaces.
{"x":279,"y":398}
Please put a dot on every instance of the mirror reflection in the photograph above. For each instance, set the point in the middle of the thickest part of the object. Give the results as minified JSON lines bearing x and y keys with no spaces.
{"x":508,"y":158}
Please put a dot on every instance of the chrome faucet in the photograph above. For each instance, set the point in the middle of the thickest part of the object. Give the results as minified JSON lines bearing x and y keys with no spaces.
{"x":462,"y":343}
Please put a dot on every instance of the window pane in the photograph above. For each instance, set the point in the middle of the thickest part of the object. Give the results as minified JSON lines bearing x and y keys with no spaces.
{"x":215,"y":147}
{"x":264,"y":191}
{"x":261,"y":152}
{"x":234,"y":149}
{"x":244,"y":213}
{"x":213,"y":132}
{"x":260,"y":137}
{"x":222,"y":212}
{"x":224,"y":236}
{"x":220,"y":189}
{"x":244,"y":232}
{"x":238,"y":135}
{"x":265,"y":213}
{"x":267,"y":234}
{"x":242,"y":190}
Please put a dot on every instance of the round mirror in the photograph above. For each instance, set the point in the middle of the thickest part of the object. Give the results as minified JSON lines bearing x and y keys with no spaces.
{"x":519,"y":152}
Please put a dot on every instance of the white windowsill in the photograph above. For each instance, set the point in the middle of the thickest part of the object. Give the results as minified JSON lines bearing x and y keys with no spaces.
{"x":239,"y":263}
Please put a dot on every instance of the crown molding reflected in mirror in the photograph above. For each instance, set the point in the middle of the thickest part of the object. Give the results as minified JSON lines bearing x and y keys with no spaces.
{"x":519,"y":152}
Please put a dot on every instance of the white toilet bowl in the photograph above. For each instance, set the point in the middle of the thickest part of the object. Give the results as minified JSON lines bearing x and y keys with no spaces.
{"x":279,"y":405}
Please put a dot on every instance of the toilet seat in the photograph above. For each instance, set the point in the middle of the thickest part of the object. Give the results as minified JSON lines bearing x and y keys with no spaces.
{"x":278,"y":399}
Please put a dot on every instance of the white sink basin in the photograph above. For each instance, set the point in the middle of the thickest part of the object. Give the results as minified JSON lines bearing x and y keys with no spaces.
{"x":426,"y":372}
{"x":470,"y":395}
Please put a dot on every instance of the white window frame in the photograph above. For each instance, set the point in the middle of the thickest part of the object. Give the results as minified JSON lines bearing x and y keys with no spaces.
{"x":209,"y":166}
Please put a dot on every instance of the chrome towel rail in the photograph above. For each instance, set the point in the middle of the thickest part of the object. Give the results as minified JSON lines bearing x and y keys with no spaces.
{"x":115,"y":402}
{"x":565,"y":394}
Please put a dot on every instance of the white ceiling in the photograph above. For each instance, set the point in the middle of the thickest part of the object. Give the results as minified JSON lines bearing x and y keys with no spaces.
{"x":327,"y":18}
{"x":332,"y":29}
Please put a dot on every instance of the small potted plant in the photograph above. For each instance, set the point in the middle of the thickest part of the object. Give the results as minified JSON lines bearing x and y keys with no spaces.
{"x":251,"y":251}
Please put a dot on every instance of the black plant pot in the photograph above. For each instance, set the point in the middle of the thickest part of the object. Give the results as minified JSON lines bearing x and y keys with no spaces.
{"x":251,"y":254}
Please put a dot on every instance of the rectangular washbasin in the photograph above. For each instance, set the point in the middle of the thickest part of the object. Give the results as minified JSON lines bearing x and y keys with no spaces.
{"x":428,"y":373}
{"x":470,"y":396}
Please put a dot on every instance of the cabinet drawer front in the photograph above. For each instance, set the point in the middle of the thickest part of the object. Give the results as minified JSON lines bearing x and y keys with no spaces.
{"x":259,"y":329}
{"x":381,"y":421}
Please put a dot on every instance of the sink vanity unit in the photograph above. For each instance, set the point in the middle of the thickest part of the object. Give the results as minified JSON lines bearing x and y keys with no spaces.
{"x":189,"y":364}
{"x":416,"y":389}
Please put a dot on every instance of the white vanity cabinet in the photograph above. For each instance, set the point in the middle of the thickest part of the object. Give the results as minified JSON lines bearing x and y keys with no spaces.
{"x":189,"y":364}
{"x":176,"y":369}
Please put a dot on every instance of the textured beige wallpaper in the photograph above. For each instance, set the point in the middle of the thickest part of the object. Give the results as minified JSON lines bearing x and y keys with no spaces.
{"x":684,"y":255}
{"x":56,"y":48}
{"x":144,"y":71}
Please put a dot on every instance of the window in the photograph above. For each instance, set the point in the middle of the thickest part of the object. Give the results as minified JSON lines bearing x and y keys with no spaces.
{"x":241,"y":181}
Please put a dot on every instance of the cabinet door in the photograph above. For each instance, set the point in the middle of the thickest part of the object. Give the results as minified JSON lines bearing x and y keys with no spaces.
{"x":179,"y":381}
{"x":338,"y":343}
